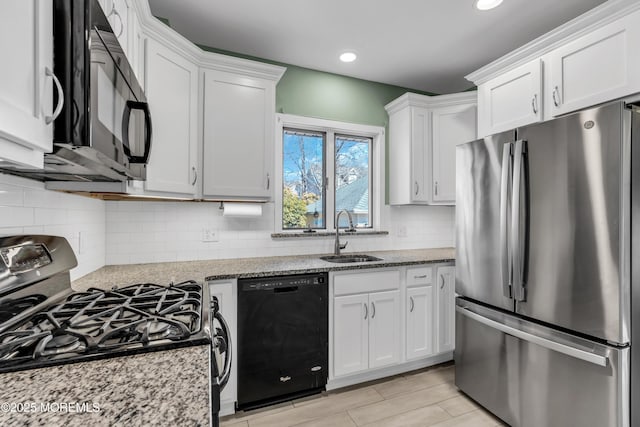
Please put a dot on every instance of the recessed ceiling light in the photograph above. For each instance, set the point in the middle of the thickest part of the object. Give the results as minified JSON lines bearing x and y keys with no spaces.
{"x":487,"y":4}
{"x":348,"y":57}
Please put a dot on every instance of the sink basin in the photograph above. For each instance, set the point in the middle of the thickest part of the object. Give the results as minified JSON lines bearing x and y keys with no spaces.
{"x":350,"y":258}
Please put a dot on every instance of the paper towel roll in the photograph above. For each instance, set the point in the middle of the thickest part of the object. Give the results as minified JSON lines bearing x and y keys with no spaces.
{"x":242,"y":209}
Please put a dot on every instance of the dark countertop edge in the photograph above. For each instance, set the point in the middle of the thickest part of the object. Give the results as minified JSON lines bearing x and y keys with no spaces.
{"x":341,"y":267}
{"x":298,"y":235}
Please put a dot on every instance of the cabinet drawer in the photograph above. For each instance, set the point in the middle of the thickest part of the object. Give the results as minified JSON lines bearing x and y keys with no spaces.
{"x":419,"y":276}
{"x":373,"y":281}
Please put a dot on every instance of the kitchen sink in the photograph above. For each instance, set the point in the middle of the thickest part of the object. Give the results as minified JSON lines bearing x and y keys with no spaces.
{"x":350,"y":258}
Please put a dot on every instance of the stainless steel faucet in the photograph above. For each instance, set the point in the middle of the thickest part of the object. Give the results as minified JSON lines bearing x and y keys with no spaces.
{"x":338,"y":247}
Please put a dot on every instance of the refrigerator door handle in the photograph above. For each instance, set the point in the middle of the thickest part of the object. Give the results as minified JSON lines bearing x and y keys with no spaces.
{"x":576,"y":353}
{"x":518,"y":241}
{"x":505,"y":248}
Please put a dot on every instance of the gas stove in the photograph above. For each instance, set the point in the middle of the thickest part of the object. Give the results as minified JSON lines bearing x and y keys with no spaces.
{"x":43,"y":322}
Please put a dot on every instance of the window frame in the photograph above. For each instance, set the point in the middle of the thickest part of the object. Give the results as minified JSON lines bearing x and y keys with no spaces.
{"x":331,"y":129}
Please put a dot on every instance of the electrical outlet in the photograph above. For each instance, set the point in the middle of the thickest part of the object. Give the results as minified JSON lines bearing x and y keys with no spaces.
{"x":402,"y":231}
{"x":210,"y":235}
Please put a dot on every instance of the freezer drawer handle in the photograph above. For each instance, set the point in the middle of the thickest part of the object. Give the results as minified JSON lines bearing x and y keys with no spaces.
{"x":543,"y":342}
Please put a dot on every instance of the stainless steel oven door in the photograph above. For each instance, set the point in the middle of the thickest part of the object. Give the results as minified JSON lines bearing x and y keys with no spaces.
{"x":120,"y":119}
{"x":221,"y":357}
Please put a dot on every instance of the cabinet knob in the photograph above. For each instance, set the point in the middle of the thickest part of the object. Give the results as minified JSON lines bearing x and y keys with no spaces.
{"x":373,"y":310}
{"x":268,"y":181}
{"x":534,"y":104}
{"x":412,"y":304}
{"x":195,"y":175}
{"x":441,"y":281}
{"x":417,"y":187}
{"x":366,"y":310}
{"x":436,"y":188}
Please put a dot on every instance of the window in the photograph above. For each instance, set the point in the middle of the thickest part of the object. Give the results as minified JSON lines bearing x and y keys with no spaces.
{"x":323,"y":170}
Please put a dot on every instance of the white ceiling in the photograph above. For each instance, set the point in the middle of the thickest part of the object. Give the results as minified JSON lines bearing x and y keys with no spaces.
{"x":427,"y":45}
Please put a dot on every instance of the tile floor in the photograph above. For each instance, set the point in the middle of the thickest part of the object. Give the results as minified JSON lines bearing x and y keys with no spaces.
{"x":427,"y":397}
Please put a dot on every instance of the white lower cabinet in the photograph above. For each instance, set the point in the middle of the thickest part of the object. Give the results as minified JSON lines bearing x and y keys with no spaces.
{"x":366,"y":331}
{"x":351,"y":334}
{"x":384,"y":328}
{"x":420,"y":322}
{"x":445,"y":303}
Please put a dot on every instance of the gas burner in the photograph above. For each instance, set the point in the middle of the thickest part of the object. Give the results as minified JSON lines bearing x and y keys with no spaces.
{"x":58,"y":344}
{"x":10,"y":308}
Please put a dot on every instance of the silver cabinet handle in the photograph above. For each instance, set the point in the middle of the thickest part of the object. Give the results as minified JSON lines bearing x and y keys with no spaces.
{"x":442,"y":281}
{"x":49,"y":119}
{"x":556,"y":96}
{"x":366,"y":310}
{"x":373,"y":310}
{"x":115,"y":13}
{"x":596,"y":359}
{"x":417,"y":187}
{"x":268,"y":181}
{"x":534,"y":103}
{"x":412,"y":304}
{"x":424,"y":276}
{"x":436,"y":188}
{"x":195,"y":175}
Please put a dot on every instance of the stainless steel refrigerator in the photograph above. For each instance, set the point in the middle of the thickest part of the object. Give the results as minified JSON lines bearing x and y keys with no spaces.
{"x":545,"y":234}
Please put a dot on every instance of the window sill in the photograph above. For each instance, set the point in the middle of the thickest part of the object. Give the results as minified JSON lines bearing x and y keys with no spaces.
{"x":318,"y":234}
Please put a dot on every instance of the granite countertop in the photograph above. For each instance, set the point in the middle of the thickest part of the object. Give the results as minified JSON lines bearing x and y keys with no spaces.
{"x":162,"y":273}
{"x":163,"y":388}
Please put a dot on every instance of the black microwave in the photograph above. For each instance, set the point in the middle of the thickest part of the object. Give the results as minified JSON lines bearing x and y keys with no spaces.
{"x":103,"y":131}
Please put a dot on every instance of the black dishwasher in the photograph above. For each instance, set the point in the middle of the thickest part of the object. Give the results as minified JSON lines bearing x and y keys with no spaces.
{"x":283,"y":340}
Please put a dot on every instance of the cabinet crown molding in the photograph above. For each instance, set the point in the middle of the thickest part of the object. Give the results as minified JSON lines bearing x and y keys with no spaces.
{"x":589,"y":21}
{"x":425,"y":101}
{"x":153,"y":27}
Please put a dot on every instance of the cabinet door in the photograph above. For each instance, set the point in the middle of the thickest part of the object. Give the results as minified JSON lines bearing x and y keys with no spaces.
{"x":420,"y":118}
{"x":350,"y":334}
{"x":451,"y":126}
{"x":511,"y":100}
{"x":601,"y":66}
{"x":26,"y":92}
{"x":171,"y":86}
{"x":420,"y":322}
{"x":238,"y":136}
{"x":445,"y":279}
{"x":118,"y":13}
{"x":384,"y":328}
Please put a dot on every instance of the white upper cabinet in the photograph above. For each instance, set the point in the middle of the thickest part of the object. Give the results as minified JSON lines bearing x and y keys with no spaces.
{"x":511,"y":100}
{"x":451,"y":126}
{"x":26,"y":81}
{"x":239,"y":121}
{"x":171,"y":87}
{"x":423,"y":133}
{"x":596,"y":68}
{"x":590,"y":60}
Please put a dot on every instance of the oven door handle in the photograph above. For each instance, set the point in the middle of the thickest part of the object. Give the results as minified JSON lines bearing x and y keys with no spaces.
{"x":223,"y":378}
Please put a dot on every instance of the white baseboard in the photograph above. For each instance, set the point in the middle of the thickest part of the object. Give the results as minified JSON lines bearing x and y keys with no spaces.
{"x":335,"y":383}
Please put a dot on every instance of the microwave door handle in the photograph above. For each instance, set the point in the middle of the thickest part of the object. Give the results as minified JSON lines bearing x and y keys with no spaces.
{"x":144,"y":107}
{"x":505,"y":248}
{"x":226,"y":372}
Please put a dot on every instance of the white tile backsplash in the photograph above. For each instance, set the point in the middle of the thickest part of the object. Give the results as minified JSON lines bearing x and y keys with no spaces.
{"x":172,"y":231}
{"x":128,"y":232}
{"x":27,"y":208}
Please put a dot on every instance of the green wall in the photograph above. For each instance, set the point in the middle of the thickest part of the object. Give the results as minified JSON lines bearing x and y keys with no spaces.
{"x":313,"y":93}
